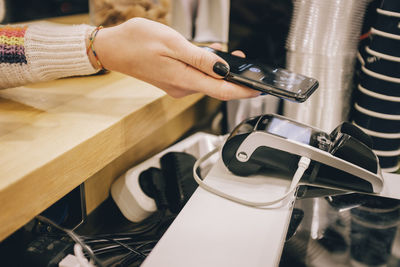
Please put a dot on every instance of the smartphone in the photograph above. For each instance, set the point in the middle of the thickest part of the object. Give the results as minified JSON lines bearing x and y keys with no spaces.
{"x":273,"y":81}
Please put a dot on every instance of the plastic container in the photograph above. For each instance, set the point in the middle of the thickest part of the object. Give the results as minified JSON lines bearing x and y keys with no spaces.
{"x":388,"y":21}
{"x":375,"y":121}
{"x":114,"y":12}
{"x":374,"y":82}
{"x":377,"y":102}
{"x":373,"y":228}
{"x":387,"y":44}
{"x":133,"y":203}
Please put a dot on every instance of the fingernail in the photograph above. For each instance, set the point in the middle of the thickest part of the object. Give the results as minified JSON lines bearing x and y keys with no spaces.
{"x":221,"y":69}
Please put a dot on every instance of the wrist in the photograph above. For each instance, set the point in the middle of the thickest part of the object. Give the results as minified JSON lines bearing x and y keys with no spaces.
{"x":90,"y":55}
{"x":91,"y":52}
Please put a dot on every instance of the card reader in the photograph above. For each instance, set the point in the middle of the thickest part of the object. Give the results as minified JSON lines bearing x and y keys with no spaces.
{"x":340,"y":160}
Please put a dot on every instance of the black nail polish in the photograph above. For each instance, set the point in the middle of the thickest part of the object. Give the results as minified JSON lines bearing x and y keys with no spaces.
{"x":221,"y":69}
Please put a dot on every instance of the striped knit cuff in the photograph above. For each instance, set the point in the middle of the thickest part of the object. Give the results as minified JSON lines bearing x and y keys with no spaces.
{"x":41,"y":52}
{"x":13,"y":63}
{"x":12,"y":45}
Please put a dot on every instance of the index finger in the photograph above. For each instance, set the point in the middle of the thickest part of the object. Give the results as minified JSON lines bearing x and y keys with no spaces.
{"x":196,"y":80}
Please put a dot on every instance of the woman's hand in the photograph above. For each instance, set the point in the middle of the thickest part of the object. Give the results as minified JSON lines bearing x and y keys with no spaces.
{"x":159,"y":55}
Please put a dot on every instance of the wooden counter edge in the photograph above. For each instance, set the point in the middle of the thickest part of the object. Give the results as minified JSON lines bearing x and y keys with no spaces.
{"x":29,"y":196}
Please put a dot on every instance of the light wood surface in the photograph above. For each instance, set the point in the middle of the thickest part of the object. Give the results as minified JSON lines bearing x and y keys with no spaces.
{"x":55,"y":135}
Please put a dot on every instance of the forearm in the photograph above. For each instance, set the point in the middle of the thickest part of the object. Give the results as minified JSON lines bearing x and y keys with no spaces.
{"x":141,"y":48}
{"x":42,"y":52}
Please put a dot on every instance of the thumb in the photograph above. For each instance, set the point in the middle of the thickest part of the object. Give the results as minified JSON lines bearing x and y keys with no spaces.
{"x":204,"y":60}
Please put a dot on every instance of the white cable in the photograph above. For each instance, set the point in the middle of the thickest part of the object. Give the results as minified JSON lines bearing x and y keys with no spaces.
{"x":303,"y":164}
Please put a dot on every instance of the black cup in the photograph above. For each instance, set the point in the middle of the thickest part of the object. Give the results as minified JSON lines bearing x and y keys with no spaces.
{"x":385,"y":45}
{"x":388,"y":162}
{"x":388,"y":23}
{"x":380,"y":86}
{"x":390,"y":5}
{"x":374,"y":123}
{"x":376,"y":104}
{"x":389,"y":68}
{"x":385,"y":144}
{"x":373,"y":228}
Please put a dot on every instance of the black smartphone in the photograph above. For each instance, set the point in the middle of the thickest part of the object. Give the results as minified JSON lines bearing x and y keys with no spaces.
{"x":274,"y":81}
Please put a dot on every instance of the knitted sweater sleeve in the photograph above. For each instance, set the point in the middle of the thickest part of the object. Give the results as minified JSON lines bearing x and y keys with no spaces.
{"x":41,"y":52}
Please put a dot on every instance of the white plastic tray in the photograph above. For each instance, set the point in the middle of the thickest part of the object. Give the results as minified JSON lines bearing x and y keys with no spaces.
{"x":126,"y":192}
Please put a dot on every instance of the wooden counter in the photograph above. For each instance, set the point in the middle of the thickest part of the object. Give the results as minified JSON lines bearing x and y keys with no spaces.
{"x":56,"y":135}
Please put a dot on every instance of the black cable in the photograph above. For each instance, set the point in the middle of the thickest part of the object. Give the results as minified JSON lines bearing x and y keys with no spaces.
{"x":137,"y":252}
{"x":133,"y":241}
{"x":74,"y":237}
{"x":103,"y":241}
{"x":146,"y":243}
{"x":116,"y":244}
{"x":147,"y":251}
{"x":106,"y":243}
{"x":129,"y":248}
{"x":130,"y":258}
{"x":113,"y":248}
{"x":147,"y":227}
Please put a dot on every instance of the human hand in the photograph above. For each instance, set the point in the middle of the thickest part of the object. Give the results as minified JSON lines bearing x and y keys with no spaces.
{"x":159,"y":55}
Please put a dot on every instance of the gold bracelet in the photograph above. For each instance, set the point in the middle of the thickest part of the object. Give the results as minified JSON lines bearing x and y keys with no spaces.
{"x":91,"y":47}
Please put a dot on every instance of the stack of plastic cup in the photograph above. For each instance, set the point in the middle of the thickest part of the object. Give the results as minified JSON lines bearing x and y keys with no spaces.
{"x":322,"y":43}
{"x":377,"y":103}
{"x":373,"y":230}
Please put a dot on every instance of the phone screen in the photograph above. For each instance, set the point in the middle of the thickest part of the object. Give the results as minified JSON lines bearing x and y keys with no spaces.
{"x":275,"y":81}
